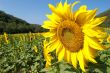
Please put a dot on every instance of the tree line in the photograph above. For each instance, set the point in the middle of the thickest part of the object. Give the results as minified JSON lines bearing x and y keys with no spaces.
{"x":11,"y":24}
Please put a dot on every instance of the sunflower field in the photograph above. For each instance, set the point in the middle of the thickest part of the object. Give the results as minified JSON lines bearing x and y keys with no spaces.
{"x":75,"y":42}
{"x":23,"y":53}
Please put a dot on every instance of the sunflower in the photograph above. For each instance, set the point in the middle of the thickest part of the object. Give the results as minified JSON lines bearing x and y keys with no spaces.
{"x":108,"y":39}
{"x":35,"y":48}
{"x":47,"y":55}
{"x":6,"y":38}
{"x":74,"y":35}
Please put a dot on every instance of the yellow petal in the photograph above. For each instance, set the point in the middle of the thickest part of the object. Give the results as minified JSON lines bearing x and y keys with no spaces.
{"x":93,"y":43}
{"x":58,"y":49}
{"x":54,"y":10}
{"x":97,"y":21}
{"x":54,"y":45}
{"x":81,"y":18}
{"x":93,"y":33}
{"x":48,"y":57}
{"x":87,"y":52}
{"x":74,"y":4}
{"x":52,"y":41}
{"x":48,"y":34}
{"x":65,"y":4}
{"x":54,"y":18}
{"x":94,"y":22}
{"x":52,"y":7}
{"x":74,"y":59}
{"x":64,"y":11}
{"x":82,"y":9}
{"x":80,"y":58}
{"x":60,"y":5}
{"x":61,"y":54}
{"x":47,"y":64}
{"x":67,"y":56}
{"x":49,"y":25}
{"x":91,"y":15}
{"x":88,"y":32}
{"x":102,"y":34}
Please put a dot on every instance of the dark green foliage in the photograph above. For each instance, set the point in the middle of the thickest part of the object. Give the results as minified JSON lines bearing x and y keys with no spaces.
{"x":11,"y":24}
{"x":19,"y":56}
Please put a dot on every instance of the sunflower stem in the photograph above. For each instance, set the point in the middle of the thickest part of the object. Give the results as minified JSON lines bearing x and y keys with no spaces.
{"x":58,"y":68}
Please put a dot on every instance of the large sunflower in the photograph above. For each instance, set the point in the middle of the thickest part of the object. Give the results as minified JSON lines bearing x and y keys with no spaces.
{"x":74,"y":34}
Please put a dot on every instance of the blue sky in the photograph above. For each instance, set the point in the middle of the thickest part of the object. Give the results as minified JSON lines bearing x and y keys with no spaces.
{"x":34,"y":11}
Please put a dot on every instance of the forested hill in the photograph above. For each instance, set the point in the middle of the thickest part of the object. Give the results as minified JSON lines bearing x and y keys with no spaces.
{"x":105,"y":13}
{"x":11,"y":24}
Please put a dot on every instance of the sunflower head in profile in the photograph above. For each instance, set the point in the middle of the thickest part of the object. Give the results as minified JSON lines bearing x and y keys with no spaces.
{"x":47,"y":55}
{"x":74,"y":35}
{"x":108,"y":39}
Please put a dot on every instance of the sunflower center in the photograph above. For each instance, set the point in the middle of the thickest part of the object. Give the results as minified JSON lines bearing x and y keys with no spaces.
{"x":67,"y":34}
{"x":70,"y":35}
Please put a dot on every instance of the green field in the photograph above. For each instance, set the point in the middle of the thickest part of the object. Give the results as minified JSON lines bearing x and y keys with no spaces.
{"x":23,"y":53}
